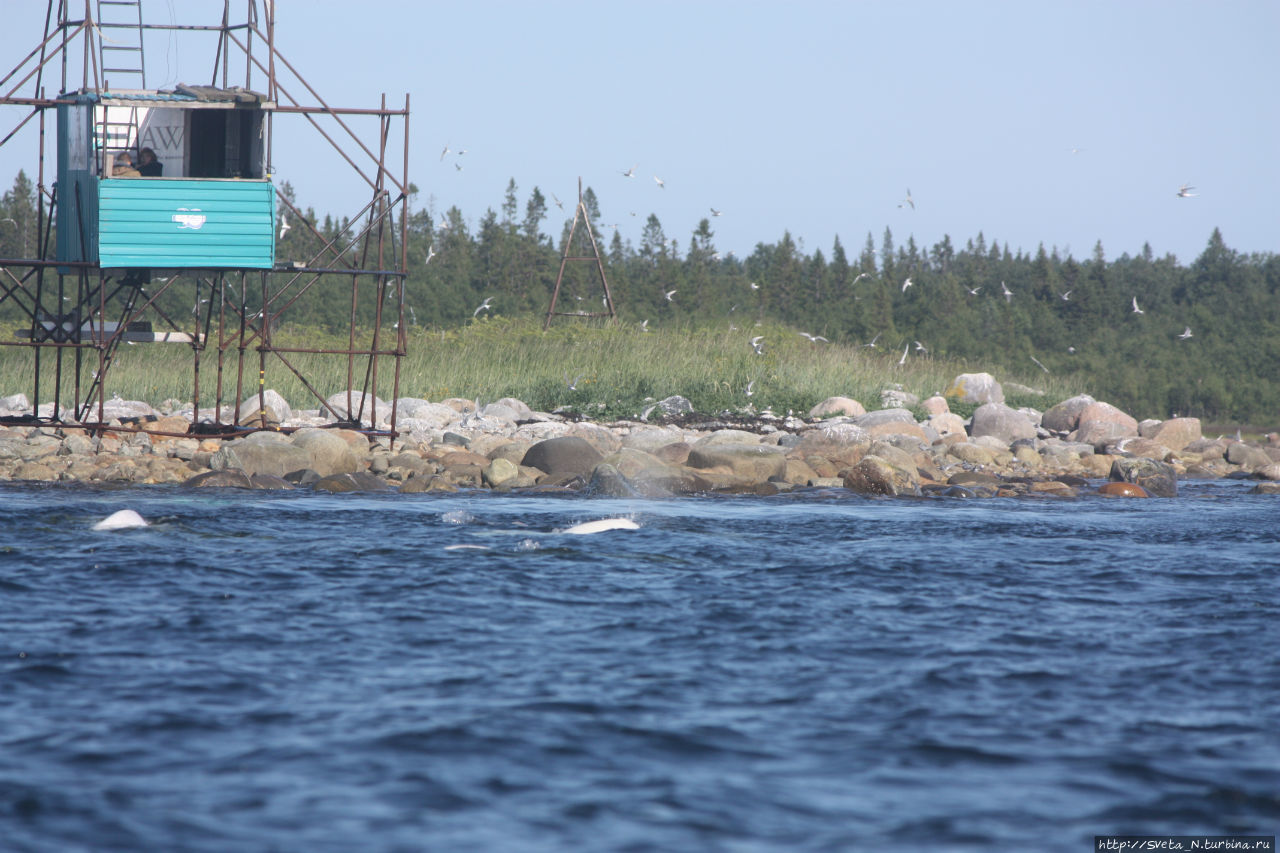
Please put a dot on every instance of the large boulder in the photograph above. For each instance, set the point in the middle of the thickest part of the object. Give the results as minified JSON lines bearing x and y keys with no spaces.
{"x":935,"y":405}
{"x":360,"y":481}
{"x":975,"y":388}
{"x":564,"y":455}
{"x":264,"y":453}
{"x":629,"y":472}
{"x":727,"y":436}
{"x":369,"y":410}
{"x":232,"y":478}
{"x":277,"y":407}
{"x":752,"y":463}
{"x":1065,"y":416}
{"x":1102,"y":423}
{"x":834,"y":406}
{"x":1158,"y":478}
{"x":329,"y":452}
{"x":877,"y":476}
{"x":947,"y":423}
{"x":1098,"y":412}
{"x":675,"y":405}
{"x":500,"y":472}
{"x":1002,"y":422}
{"x":1247,"y":456}
{"x":881,"y":417}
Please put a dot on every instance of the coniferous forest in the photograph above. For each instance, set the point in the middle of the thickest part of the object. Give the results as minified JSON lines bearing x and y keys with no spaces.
{"x":1204,"y":340}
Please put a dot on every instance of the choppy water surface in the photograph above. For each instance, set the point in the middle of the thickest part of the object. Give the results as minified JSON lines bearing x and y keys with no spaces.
{"x":291,"y":671}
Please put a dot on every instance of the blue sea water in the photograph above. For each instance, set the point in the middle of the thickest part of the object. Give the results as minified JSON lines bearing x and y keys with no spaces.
{"x":281,"y":671}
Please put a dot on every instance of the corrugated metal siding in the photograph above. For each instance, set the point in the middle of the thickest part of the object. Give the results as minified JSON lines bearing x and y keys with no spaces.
{"x":186,"y":223}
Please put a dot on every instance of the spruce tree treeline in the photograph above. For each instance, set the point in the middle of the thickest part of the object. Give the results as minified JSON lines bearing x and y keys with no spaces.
{"x":1073,"y":317}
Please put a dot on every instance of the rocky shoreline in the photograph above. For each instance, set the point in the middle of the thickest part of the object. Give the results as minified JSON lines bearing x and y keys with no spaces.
{"x":1078,"y":446}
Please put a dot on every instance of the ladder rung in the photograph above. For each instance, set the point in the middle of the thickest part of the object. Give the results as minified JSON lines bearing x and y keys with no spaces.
{"x":111,"y":47}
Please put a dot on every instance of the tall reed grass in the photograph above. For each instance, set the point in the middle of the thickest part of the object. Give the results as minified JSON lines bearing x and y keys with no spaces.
{"x":601,"y":370}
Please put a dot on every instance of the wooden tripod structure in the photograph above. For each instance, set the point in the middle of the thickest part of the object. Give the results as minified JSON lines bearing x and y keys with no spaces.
{"x":580,"y":213}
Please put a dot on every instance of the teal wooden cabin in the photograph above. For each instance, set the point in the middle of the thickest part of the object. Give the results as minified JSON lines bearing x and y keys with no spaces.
{"x":213,"y":205}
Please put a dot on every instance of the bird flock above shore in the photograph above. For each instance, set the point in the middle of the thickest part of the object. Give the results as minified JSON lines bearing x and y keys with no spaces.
{"x":908,"y":203}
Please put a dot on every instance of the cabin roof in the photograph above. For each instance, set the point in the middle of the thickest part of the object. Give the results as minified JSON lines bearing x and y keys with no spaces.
{"x":181,"y":95}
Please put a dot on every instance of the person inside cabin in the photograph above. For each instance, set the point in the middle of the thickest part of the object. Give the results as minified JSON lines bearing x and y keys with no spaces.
{"x":148,"y":165}
{"x":124,"y":167}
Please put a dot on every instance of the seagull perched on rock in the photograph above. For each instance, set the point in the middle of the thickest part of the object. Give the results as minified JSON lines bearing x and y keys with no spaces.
{"x":1136,"y":309}
{"x":1186,"y":333}
{"x":484,"y":306}
{"x":757,"y":344}
{"x":1185,"y":191}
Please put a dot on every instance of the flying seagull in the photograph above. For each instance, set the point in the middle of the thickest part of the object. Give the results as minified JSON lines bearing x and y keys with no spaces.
{"x":662,"y":185}
{"x":859,"y":277}
{"x":1136,"y":309}
{"x":1185,"y":191}
{"x":873,"y":341}
{"x":573,"y":386}
{"x":669,"y":294}
{"x":1037,"y":361}
{"x":558,"y":202}
{"x":815,"y":338}
{"x":908,"y":200}
{"x":1066,"y":297}
{"x":757,"y":345}
{"x":1185,"y":334}
{"x":431,"y":253}
{"x":630,"y":173}
{"x":715,"y":212}
{"x":973,"y":291}
{"x":905,"y":350}
{"x":1008,"y":294}
{"x":921,"y":348}
{"x":484,"y":306}
{"x":445,"y":152}
{"x":906,"y":284}
{"x":750,"y":388}
{"x":284,"y":226}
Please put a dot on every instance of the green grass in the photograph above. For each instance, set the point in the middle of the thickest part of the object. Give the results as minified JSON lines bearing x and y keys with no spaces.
{"x":619,"y":369}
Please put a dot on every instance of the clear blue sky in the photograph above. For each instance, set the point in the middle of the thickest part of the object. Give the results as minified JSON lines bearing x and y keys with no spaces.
{"x":807,"y":117}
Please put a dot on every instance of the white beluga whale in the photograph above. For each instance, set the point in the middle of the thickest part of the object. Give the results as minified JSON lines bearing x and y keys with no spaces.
{"x":124,"y":519}
{"x":601,"y":525}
